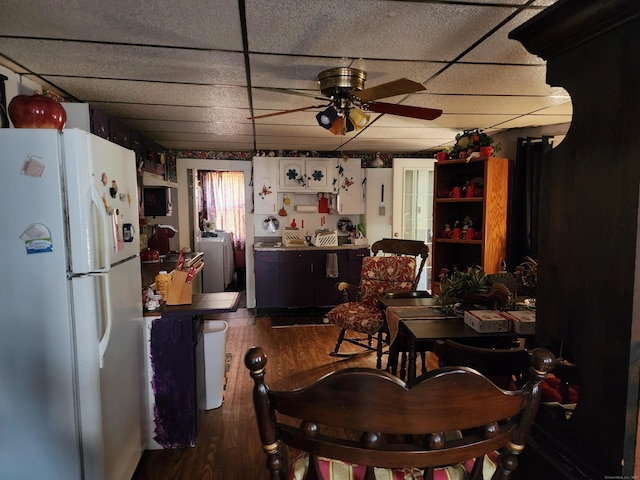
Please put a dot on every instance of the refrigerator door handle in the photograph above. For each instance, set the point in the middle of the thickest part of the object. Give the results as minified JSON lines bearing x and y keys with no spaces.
{"x":95,"y":198}
{"x":104,"y":341}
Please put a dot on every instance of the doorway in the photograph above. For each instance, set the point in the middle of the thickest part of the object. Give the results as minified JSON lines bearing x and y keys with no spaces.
{"x":413,"y":184}
{"x":218,"y":226}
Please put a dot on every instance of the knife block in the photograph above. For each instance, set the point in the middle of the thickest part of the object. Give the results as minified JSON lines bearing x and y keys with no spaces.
{"x":180,"y":292}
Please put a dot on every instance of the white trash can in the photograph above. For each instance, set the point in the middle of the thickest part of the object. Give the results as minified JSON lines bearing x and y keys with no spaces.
{"x":215,"y":339}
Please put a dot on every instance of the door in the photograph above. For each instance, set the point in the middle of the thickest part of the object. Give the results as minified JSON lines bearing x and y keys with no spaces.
{"x":413,"y":204}
{"x":109,"y":307}
{"x":102,"y":201}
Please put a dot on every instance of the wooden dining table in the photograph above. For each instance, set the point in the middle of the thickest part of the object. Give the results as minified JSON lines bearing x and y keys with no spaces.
{"x":422,"y":324}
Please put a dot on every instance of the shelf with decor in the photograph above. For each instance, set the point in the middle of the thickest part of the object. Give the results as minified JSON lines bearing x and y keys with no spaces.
{"x":470,"y":215}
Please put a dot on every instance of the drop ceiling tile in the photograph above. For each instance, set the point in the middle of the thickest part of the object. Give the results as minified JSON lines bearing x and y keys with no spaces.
{"x":159,"y":22}
{"x":536,"y":120}
{"x":90,"y":90}
{"x":375,"y":131}
{"x":170,"y":112}
{"x":561,"y":109}
{"x":81,"y":59}
{"x":492,"y":80}
{"x":212,"y":128}
{"x":372,"y":29}
{"x":238,"y":145}
{"x":469,"y":122}
{"x":500,"y":49}
{"x":465,"y":103}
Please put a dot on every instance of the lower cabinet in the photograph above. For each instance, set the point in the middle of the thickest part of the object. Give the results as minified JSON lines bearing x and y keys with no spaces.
{"x":304,"y":281}
{"x":267,"y":272}
{"x":298,"y":278}
{"x":355,"y":257}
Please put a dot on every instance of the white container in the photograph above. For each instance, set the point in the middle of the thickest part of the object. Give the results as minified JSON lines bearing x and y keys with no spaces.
{"x":215,"y":340}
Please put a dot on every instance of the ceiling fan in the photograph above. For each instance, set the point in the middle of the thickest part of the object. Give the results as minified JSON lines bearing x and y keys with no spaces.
{"x":349,"y":101}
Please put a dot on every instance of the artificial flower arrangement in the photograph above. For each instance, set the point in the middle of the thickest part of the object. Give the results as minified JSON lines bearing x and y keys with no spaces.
{"x":471,"y":141}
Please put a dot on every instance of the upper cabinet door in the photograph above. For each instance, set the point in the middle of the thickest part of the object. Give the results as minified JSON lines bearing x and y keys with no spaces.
{"x":305,"y":174}
{"x":265,"y":185}
{"x":293,"y":175}
{"x":347,"y":183}
{"x":318,"y":174}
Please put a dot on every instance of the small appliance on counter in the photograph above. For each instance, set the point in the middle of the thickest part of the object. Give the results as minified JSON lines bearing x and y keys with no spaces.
{"x":150,"y":256}
{"x":159,"y":240}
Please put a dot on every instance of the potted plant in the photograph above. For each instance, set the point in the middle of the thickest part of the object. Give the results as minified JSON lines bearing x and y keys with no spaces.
{"x":458,"y":288}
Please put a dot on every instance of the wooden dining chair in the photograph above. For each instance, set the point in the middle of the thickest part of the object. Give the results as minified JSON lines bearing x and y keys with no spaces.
{"x":393,"y":267}
{"x":506,"y":367}
{"x":451,"y":420}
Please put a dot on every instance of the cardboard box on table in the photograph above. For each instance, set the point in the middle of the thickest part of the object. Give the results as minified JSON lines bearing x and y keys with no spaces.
{"x":487,"y":321}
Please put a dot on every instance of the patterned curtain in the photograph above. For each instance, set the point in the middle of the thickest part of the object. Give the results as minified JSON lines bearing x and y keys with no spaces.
{"x":223,"y":195}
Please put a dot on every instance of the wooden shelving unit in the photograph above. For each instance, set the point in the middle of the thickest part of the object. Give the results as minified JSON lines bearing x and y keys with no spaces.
{"x":487,"y":209}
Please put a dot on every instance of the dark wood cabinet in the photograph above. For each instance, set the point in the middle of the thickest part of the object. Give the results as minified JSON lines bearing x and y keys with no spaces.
{"x":136,"y":146}
{"x":325,"y":289}
{"x":99,"y":122}
{"x":298,"y":278}
{"x":589,"y":290}
{"x":354,"y":258}
{"x":267,"y":273}
{"x":153,"y":155}
{"x":119,"y":133}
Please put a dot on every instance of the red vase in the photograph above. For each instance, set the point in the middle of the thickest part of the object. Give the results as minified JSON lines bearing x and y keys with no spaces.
{"x":36,"y":111}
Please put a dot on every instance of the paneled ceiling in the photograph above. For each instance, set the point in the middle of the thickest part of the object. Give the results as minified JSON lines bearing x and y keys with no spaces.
{"x":188,"y":74}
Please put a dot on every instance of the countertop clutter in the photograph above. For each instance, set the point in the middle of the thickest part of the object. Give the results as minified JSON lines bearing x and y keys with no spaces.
{"x":187,"y":276}
{"x":168,"y":263}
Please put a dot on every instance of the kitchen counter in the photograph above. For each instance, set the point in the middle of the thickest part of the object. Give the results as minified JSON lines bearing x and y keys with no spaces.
{"x":204,"y":304}
{"x":264,"y":247}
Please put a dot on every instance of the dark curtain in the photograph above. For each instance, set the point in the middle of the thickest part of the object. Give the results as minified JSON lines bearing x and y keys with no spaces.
{"x":524,"y":196}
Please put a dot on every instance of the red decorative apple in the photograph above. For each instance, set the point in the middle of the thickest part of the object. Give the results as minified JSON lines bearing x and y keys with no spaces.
{"x":36,"y":111}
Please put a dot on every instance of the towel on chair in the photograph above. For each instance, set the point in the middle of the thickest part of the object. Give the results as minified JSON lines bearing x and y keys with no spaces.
{"x":332,"y":265}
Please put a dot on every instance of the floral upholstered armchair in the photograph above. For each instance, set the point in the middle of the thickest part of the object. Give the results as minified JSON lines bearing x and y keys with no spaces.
{"x":395,"y":271}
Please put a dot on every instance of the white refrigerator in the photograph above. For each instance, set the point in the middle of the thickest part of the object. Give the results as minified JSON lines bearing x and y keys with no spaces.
{"x":70,"y":296}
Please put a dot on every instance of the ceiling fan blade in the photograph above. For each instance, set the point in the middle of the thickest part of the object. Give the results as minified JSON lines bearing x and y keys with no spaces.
{"x":284,"y":112}
{"x":404,"y":110}
{"x":390,"y":89}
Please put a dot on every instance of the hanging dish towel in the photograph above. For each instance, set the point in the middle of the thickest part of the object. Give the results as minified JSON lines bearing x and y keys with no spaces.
{"x":332,"y":265}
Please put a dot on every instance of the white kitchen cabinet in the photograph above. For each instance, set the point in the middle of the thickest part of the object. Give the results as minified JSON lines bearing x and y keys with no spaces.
{"x":305,"y":174}
{"x":347,"y":185}
{"x":265,"y":185}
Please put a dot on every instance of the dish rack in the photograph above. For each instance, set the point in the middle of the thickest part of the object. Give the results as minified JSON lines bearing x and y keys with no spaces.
{"x":292,"y":236}
{"x":326,"y":239}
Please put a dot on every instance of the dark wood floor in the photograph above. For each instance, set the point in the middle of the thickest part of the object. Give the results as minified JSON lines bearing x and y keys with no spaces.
{"x":227,"y":445}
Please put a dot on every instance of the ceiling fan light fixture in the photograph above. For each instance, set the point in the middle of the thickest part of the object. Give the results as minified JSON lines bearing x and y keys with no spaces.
{"x":349,"y":126}
{"x":358,"y":118}
{"x":339,"y":126}
{"x":327,"y":118}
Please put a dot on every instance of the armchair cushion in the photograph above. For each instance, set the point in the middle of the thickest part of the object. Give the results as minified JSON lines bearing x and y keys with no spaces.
{"x":356,"y":316}
{"x":385,"y":274}
{"x":338,"y":470}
